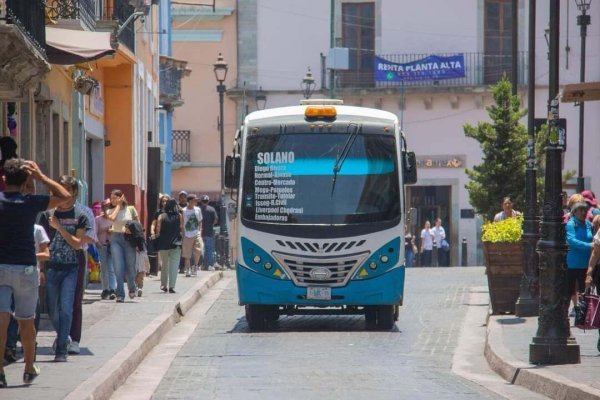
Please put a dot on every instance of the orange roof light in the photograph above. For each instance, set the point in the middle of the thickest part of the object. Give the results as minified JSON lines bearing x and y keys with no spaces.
{"x":320,"y":112}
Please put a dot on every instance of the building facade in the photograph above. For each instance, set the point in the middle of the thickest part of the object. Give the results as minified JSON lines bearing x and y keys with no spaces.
{"x":279,"y":39}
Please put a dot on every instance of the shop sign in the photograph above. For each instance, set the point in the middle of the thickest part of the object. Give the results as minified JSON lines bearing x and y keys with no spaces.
{"x":450,"y":161}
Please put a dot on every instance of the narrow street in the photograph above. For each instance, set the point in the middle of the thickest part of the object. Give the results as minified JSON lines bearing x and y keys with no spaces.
{"x":310,"y":357}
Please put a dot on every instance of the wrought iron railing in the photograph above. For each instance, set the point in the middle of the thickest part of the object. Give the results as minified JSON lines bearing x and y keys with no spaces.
{"x":181,"y":146}
{"x":170,"y":83}
{"x":480,"y":69}
{"x":84,"y":10}
{"x":120,"y":10}
{"x":29,"y":17}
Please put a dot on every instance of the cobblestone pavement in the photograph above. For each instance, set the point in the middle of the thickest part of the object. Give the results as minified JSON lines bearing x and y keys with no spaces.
{"x":332,"y":357}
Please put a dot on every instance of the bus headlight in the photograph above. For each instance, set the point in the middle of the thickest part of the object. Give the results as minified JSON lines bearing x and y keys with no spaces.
{"x":256,"y":259}
{"x":384,"y":259}
{"x":373,"y":265}
{"x":268,"y":266}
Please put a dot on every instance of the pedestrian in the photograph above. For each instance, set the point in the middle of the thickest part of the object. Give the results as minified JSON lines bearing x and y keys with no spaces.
{"x":209,"y":220}
{"x":121,"y":251}
{"x":592,"y":273}
{"x":108,"y":278}
{"x":439,"y":236}
{"x":88,"y":241}
{"x":579,"y":237}
{"x":426,"y":244}
{"x":20,"y":277}
{"x":8,"y":150}
{"x":182,"y":200}
{"x":507,"y":210}
{"x":192,"y":239}
{"x":590,"y":199}
{"x":162,"y":201}
{"x":170,"y":230}
{"x":67,"y":227}
{"x":134,"y":234}
{"x":410,"y":249}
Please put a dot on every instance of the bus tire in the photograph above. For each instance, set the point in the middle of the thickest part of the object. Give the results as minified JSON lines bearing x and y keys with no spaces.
{"x":257,"y":317}
{"x":385,"y":317}
{"x":371,"y":316}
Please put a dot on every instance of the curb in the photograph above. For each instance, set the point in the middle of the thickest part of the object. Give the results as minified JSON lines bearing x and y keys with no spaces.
{"x":532,"y":377}
{"x":103,"y":383}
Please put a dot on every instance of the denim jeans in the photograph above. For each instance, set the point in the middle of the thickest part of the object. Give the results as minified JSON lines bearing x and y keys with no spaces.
{"x":107,"y":272}
{"x":170,"y":267}
{"x":60,"y":295}
{"x":123,"y":259}
{"x":410,"y":258}
{"x":209,"y":251}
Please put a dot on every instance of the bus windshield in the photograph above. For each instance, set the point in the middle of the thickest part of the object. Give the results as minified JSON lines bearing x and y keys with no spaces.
{"x":323,"y":178}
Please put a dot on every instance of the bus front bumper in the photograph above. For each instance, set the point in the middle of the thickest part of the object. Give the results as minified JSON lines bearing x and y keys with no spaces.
{"x":386,"y":289}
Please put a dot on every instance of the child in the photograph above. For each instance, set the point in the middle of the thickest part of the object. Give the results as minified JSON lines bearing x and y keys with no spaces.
{"x":134,"y":233}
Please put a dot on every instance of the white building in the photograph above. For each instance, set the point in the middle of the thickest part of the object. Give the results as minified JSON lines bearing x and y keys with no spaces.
{"x":279,"y":39}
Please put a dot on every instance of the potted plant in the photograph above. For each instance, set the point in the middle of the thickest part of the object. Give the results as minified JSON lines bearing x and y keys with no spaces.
{"x":503,"y":251}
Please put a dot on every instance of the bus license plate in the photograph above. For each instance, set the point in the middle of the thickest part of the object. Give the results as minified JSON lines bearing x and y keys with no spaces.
{"x":318,"y":293}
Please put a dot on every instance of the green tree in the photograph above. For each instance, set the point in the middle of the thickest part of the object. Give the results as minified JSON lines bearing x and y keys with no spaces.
{"x":504,"y":146}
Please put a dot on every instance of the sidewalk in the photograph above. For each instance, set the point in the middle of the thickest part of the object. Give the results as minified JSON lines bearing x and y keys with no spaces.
{"x":507,"y":352}
{"x":115,"y":339}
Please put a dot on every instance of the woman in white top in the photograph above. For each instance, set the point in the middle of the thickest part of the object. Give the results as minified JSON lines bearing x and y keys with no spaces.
{"x":121,"y":251}
{"x":426,"y":245}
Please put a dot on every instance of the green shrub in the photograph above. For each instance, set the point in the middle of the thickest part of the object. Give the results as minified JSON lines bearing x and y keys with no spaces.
{"x":509,"y":230}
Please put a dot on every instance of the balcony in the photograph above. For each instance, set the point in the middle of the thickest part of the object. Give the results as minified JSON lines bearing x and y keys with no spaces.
{"x":81,"y":13}
{"x":171,"y":73}
{"x":114,"y":15}
{"x":181,"y":146}
{"x":480,"y":69}
{"x":22,"y":48}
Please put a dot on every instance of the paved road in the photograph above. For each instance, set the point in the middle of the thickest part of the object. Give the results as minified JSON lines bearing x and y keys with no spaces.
{"x":316,"y":357}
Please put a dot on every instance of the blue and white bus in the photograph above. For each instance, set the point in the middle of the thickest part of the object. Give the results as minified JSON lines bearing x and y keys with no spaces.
{"x":320,"y":222}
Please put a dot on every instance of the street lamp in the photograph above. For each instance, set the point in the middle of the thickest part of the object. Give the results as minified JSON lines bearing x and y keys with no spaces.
{"x":583,"y":20}
{"x":220,"y":69}
{"x":527,"y":304}
{"x":261,"y":99}
{"x":553,"y":343}
{"x":308,"y":84}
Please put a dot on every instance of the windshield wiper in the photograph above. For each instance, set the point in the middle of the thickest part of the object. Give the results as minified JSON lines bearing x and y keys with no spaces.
{"x":339,"y":161}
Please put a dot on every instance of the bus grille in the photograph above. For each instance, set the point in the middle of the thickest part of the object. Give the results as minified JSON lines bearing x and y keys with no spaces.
{"x":320,"y":271}
{"x":320,"y":248}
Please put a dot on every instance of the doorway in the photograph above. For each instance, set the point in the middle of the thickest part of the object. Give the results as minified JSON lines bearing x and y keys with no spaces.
{"x":431,"y":202}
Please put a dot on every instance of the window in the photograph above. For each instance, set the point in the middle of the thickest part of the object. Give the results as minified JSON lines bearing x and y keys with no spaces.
{"x":358,"y":34}
{"x":497,"y":39}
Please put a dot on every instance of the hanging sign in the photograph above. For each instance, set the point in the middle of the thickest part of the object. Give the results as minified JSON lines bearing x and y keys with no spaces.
{"x":429,"y":68}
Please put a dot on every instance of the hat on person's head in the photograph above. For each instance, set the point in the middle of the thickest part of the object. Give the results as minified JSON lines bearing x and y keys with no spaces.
{"x":590,"y":198}
{"x":183,"y":192}
{"x":579,"y":205}
{"x":205,"y":198}
{"x":191,"y":197}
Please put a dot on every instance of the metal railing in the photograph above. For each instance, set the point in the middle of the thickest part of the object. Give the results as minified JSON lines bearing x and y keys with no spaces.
{"x":120,"y":11}
{"x":29,"y":17}
{"x":84,"y":10}
{"x":480,"y":69}
{"x":170,"y":83}
{"x":181,"y":146}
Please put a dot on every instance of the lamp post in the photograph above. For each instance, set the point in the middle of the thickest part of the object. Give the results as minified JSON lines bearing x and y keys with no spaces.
{"x":261,"y":99}
{"x":553,"y":343}
{"x":220,"y":69}
{"x":583,"y":20}
{"x":527,"y":304}
{"x":308,"y":84}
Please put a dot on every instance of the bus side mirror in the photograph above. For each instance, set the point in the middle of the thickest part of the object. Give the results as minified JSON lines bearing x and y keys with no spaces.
{"x":410,"y":167}
{"x":232,"y":171}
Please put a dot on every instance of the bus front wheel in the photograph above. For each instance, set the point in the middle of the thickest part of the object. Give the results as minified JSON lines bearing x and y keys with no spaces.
{"x":380,"y":317}
{"x":260,"y":317}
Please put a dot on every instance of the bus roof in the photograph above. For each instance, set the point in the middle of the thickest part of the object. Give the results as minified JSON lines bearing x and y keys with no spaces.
{"x":342,"y":111}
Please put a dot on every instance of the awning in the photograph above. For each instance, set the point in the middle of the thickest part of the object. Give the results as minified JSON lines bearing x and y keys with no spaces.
{"x":67,"y":46}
